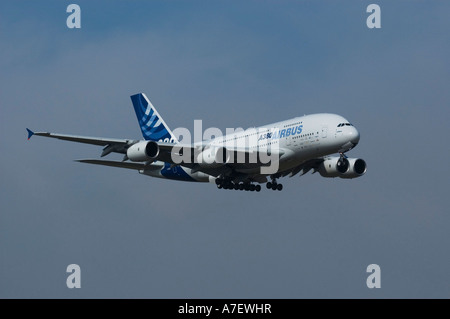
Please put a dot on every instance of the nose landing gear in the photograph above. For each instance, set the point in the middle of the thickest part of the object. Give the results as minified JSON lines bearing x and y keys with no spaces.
{"x":343,"y":164}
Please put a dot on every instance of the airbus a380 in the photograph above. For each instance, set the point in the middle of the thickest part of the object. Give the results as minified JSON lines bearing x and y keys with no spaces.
{"x":242,"y":160}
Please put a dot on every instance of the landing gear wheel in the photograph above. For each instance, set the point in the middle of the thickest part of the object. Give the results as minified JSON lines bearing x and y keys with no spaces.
{"x":258,"y":188}
{"x":219,"y":186}
{"x":252,"y":187}
{"x":343,"y":165}
{"x":279,"y":187}
{"x":269,"y":185}
{"x":274,"y":187}
{"x":241,"y":186}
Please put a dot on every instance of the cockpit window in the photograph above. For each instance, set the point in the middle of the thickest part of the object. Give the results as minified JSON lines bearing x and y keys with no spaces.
{"x":344,"y":124}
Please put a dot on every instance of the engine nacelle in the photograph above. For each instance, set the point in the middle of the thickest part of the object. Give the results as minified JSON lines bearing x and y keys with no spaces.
{"x":213,"y":157}
{"x":343,"y":168}
{"x":143,"y":151}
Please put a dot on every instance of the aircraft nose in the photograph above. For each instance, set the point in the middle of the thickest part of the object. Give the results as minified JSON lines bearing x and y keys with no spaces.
{"x":353,"y":135}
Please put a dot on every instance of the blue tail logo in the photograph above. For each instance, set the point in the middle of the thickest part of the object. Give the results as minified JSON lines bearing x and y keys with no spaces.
{"x":152,"y":125}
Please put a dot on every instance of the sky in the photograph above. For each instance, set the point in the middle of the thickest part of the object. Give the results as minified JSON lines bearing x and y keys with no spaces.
{"x":230,"y":64}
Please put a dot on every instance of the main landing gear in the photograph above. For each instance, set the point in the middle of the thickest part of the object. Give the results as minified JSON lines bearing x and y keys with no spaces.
{"x":274,"y":185}
{"x":227,"y":184}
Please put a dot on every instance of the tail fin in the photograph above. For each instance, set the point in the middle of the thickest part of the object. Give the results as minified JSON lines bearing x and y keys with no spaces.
{"x":152,"y":125}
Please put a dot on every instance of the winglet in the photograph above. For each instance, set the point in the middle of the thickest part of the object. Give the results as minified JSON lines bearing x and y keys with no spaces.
{"x":30,"y":133}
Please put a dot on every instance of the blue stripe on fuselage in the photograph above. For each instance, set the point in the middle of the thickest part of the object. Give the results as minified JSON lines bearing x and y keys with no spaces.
{"x":176,"y":173}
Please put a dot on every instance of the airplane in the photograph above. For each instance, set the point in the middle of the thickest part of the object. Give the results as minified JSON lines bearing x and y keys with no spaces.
{"x":233,"y":161}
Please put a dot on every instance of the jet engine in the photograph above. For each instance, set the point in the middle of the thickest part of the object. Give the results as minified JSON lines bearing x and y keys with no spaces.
{"x":143,"y":151}
{"x":342,"y":167}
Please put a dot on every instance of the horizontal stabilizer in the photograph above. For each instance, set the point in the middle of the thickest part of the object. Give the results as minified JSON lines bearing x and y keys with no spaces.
{"x":137,"y":166}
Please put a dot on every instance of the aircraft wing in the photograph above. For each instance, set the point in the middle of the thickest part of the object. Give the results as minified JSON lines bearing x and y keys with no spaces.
{"x":136,"y":166}
{"x":166,"y":152}
{"x":305,"y":167}
{"x":111,"y":144}
{"x":168,"y":149}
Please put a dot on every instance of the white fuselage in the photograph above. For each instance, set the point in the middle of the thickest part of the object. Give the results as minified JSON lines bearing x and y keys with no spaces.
{"x":301,"y":139}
